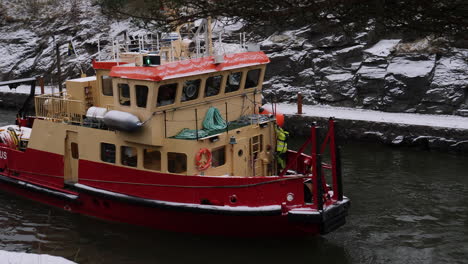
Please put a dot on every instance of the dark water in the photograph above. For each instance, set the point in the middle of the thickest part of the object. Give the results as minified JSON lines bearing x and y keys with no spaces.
{"x":408,"y":206}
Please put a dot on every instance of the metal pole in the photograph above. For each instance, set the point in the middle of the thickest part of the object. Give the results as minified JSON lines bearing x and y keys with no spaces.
{"x":209,"y":39}
{"x":335,"y":162}
{"x":244,"y":41}
{"x":165,"y":124}
{"x":313,"y":153}
{"x":227,"y":123}
{"x":59,"y":70}
{"x":157,"y":41}
{"x":151,"y":42}
{"x":126,"y":40}
{"x":196,"y":123}
{"x":318,"y":176}
{"x":118,"y":52}
{"x":99,"y":50}
{"x":113,"y":49}
{"x":254,"y":102}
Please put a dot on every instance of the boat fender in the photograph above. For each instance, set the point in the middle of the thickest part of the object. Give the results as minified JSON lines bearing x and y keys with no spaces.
{"x":122,"y":121}
{"x":203,"y":164}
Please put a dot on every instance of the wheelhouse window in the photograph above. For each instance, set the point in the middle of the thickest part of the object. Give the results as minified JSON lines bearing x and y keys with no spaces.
{"x":129,"y":156}
{"x":233,"y":82}
{"x":167,"y":94}
{"x":124,"y":93}
{"x":108,"y":152}
{"x":176,"y":162}
{"x":190,"y":90}
{"x":218,"y":156}
{"x":141,"y":95}
{"x":106,"y":82}
{"x":152,"y":159}
{"x":252,"y":78}
{"x":213,"y":85}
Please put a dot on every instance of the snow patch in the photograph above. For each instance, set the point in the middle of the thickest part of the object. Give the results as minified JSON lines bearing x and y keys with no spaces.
{"x":446,"y":121}
{"x":343,"y":77}
{"x":383,"y":48}
{"x":25,"y":89}
{"x":30,"y":258}
{"x":405,"y":67}
{"x":372,"y":73}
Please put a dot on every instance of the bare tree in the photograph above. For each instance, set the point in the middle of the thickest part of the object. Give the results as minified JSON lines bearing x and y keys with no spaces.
{"x":442,"y":17}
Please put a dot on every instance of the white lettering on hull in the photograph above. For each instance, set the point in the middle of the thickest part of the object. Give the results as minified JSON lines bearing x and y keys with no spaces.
{"x":3,"y":155}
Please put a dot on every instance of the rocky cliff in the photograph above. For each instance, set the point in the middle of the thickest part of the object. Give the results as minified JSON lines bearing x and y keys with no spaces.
{"x":30,"y":30}
{"x":328,"y":67}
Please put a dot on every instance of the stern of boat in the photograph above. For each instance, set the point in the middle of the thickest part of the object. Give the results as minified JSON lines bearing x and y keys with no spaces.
{"x":324,"y":204}
{"x":329,"y":219}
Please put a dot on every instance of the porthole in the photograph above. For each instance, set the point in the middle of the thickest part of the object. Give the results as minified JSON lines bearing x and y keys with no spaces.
{"x":240,"y":153}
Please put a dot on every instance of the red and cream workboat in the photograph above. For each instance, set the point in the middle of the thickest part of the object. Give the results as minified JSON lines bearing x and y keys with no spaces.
{"x":173,"y":140}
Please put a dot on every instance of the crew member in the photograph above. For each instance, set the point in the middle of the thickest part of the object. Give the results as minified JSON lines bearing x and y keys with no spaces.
{"x":281,"y":146}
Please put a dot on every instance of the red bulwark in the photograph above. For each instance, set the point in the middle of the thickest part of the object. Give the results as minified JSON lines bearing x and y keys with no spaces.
{"x":189,"y":67}
{"x":106,"y":65}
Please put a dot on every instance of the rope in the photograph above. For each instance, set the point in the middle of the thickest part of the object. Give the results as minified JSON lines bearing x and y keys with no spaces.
{"x":175,"y":186}
{"x":198,"y":187}
{"x":191,"y":133}
{"x":214,"y":120}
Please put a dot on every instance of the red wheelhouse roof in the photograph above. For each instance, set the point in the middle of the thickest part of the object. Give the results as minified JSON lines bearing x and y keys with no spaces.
{"x":189,"y":67}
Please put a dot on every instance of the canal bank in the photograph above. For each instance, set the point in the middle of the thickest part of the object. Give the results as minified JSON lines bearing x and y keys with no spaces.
{"x":434,"y":132}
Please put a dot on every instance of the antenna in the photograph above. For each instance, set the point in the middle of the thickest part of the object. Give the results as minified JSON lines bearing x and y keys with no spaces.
{"x":99,"y":49}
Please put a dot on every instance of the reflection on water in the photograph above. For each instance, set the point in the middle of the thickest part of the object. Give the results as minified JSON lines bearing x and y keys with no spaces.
{"x":408,"y":206}
{"x":27,"y":227}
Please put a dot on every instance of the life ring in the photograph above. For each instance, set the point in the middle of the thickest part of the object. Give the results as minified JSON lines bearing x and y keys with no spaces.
{"x":203,"y":164}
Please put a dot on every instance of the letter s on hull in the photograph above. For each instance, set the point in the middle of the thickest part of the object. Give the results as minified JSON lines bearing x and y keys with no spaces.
{"x":3,"y":155}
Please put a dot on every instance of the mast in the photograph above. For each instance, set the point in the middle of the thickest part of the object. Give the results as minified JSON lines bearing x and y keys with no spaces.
{"x":209,"y":36}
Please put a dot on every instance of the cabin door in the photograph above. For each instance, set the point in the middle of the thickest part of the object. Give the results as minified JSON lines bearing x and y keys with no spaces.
{"x":240,"y":158}
{"x":71,"y":157}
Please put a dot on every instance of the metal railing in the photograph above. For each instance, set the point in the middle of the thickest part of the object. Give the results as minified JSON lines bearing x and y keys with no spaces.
{"x":172,"y":46}
{"x":58,"y":108}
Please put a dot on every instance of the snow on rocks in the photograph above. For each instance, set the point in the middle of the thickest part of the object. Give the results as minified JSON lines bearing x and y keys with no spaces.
{"x":25,"y":89}
{"x":29,"y":258}
{"x":442,"y":121}
{"x":388,"y":75}
{"x":411,"y":67}
{"x":372,"y":73}
{"x":383,"y":48}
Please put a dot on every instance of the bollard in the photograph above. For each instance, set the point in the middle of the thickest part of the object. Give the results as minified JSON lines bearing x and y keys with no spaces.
{"x":299,"y":103}
{"x":41,"y":83}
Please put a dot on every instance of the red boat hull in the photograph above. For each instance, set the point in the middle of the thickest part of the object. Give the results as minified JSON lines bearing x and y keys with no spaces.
{"x":180,"y":203}
{"x":178,"y":221}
